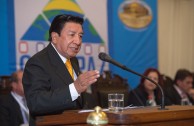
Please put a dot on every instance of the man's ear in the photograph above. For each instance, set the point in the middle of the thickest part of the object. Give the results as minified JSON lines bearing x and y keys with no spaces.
{"x":54,"y":37}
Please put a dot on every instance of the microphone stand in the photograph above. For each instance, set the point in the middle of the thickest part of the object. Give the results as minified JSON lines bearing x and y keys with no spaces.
{"x":162,"y":93}
{"x":107,"y":58}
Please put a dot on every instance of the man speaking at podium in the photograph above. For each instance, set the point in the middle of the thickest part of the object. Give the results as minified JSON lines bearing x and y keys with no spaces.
{"x":52,"y":79}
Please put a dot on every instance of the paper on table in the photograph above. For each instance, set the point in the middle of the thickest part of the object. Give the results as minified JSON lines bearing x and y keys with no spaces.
{"x":127,"y":107}
{"x":90,"y":110}
{"x":132,"y":107}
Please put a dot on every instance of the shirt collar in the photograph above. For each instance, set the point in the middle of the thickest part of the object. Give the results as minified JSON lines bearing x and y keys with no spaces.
{"x":62,"y":57}
{"x":17,"y":95}
{"x":180,"y":92}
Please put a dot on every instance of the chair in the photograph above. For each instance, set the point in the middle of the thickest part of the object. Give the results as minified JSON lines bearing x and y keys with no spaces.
{"x":167,"y":81}
{"x":5,"y":86}
{"x":109,"y":83}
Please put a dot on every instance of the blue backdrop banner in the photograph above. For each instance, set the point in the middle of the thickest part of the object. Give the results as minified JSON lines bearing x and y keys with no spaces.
{"x":131,"y":39}
{"x":132,"y":26}
{"x":7,"y":48}
{"x":25,"y":31}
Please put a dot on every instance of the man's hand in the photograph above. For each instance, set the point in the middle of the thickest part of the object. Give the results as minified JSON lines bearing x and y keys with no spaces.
{"x":191,"y":93}
{"x":86,"y":79}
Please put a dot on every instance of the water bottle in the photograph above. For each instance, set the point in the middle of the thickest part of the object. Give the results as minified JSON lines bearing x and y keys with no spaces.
{"x":149,"y":101}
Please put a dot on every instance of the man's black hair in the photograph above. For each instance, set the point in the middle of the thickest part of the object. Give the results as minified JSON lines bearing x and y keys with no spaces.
{"x":182,"y":74}
{"x":59,"y":22}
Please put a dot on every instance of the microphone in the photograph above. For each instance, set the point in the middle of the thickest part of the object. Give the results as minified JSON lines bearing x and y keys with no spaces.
{"x":107,"y":58}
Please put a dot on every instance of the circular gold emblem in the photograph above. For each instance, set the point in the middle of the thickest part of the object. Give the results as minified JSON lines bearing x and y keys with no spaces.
{"x":135,"y":14}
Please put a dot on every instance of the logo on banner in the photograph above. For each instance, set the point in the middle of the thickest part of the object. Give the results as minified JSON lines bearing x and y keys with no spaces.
{"x":135,"y":14}
{"x":36,"y":36}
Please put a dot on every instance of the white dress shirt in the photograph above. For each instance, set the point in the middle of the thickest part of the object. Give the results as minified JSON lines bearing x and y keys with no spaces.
{"x":183,"y":95}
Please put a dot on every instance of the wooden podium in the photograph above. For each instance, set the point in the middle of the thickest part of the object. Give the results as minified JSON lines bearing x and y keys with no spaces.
{"x":147,"y":116}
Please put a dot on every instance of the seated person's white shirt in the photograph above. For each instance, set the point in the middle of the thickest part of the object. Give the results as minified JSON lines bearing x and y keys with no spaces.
{"x":181,"y":93}
{"x":19,"y":98}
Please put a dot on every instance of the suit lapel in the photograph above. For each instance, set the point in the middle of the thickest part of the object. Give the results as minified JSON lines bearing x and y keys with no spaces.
{"x":60,"y":67}
{"x":16,"y":107}
{"x":176,"y":96}
{"x":75,"y":66}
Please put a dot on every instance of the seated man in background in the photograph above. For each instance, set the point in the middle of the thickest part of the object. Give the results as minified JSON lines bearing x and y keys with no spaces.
{"x":178,"y":93}
{"x":13,"y":110}
{"x":191,"y":91}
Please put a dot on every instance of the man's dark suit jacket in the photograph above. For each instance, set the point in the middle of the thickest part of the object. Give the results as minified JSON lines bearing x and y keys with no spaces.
{"x":172,"y":96}
{"x":10,"y":112}
{"x":46,"y":84}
